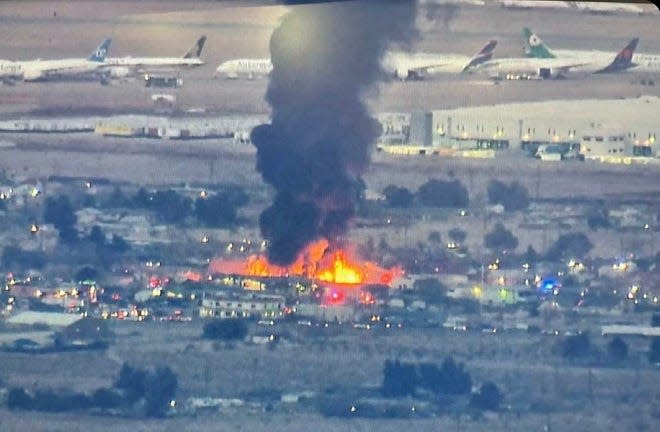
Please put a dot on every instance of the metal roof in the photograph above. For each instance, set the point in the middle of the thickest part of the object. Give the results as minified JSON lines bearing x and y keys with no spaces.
{"x":53,"y":319}
{"x":630,"y":330}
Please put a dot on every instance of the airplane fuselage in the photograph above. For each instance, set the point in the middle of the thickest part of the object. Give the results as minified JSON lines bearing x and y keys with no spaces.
{"x":10,"y":69}
{"x":44,"y":69}
{"x":642,"y":62}
{"x":400,"y":63}
{"x":153,"y":61}
{"x":532,"y":67}
{"x":251,"y":68}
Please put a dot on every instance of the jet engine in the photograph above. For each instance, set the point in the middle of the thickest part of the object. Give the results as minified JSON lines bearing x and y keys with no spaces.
{"x":402,"y":74}
{"x":32,"y":75}
{"x":407,"y":74}
{"x":550,"y":73}
{"x":119,"y":72}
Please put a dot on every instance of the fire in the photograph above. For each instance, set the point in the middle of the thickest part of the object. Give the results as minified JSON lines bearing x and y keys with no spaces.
{"x":341,"y":272}
{"x":316,"y":262}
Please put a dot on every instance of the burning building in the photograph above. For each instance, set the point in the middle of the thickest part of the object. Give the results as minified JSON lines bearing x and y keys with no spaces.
{"x":338,"y":272}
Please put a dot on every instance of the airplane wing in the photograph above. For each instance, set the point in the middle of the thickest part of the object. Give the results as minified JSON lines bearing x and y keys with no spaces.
{"x":81,"y":71}
{"x":428,"y":69}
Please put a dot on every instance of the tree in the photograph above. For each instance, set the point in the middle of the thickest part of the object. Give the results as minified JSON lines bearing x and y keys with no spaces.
{"x":399,"y":379}
{"x":118,"y":244}
{"x":215,"y":211}
{"x":170,"y":206}
{"x":530,"y":256}
{"x":598,"y":217}
{"x":97,"y":236}
{"x":142,"y":198}
{"x":435,"y":237}
{"x":655,"y":320}
{"x":383,"y":245}
{"x":60,"y":401}
{"x":162,"y":385}
{"x":237,"y":197}
{"x":457,"y":235}
{"x":576,"y":346}
{"x":132,"y":382}
{"x":117,"y":198}
{"x":86,"y":273}
{"x":430,"y":290}
{"x":455,"y":379}
{"x":15,"y":256}
{"x":654,"y":350}
{"x":157,"y":388}
{"x":106,"y":398}
{"x":571,"y":245}
{"x":617,"y":349}
{"x":396,"y":196}
{"x":500,"y":238}
{"x":88,"y":201}
{"x":512,"y":197}
{"x":430,"y":377}
{"x":68,"y":235}
{"x":438,"y":193}
{"x":18,"y":398}
{"x":226,"y":329}
{"x":59,"y":212}
{"x":488,"y":398}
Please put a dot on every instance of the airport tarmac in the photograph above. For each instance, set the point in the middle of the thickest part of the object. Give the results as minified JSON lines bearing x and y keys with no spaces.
{"x":45,"y":29}
{"x":159,"y":28}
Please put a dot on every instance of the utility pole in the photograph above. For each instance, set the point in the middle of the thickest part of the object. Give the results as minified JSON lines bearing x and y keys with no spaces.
{"x":590,"y":387}
{"x":211,"y":170}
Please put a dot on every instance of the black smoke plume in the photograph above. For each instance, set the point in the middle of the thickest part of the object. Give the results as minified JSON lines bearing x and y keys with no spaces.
{"x":317,"y":145}
{"x":443,"y":13}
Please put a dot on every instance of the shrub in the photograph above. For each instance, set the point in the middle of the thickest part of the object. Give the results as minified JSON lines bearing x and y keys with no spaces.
{"x":489,"y":397}
{"x":225,"y":329}
{"x":438,"y":193}
{"x":512,"y":197}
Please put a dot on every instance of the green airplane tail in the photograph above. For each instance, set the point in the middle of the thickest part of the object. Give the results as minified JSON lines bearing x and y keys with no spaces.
{"x":535,"y":46}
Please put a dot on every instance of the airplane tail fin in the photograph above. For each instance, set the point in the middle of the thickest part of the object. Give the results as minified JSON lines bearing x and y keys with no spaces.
{"x":196,"y":49}
{"x":485,"y":54}
{"x":534,"y":46}
{"x":99,"y":54}
{"x":623,"y":59}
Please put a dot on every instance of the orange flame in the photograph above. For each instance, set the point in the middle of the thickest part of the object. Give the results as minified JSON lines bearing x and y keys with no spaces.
{"x":315,"y":262}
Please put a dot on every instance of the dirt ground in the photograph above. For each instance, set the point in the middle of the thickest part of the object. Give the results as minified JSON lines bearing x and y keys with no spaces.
{"x":573,"y":398}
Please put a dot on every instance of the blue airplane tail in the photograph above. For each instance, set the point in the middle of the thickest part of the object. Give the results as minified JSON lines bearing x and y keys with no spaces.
{"x":99,"y":54}
{"x":623,"y":59}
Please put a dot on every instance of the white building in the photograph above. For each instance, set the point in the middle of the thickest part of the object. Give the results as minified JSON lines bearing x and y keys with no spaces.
{"x":259,"y":306}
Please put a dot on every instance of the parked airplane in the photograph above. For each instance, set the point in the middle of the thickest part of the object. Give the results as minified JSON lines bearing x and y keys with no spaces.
{"x":536,"y":48}
{"x":412,"y":66}
{"x":10,"y":71}
{"x":41,"y":70}
{"x":245,"y":67}
{"x":119,"y":67}
{"x":530,"y":68}
{"x":452,"y":2}
{"x":590,"y":7}
{"x":401,"y":65}
{"x":605,"y":7}
{"x":534,"y":4}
